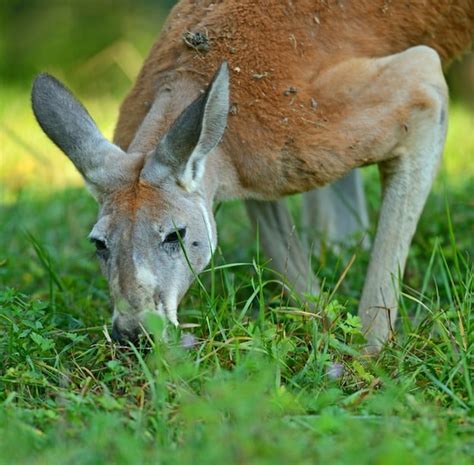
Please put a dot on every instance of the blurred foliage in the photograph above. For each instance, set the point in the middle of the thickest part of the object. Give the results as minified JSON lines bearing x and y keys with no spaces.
{"x":461,"y":80}
{"x":78,"y":39}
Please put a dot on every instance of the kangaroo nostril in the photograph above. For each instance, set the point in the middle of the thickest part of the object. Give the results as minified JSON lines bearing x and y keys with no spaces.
{"x":116,"y":335}
{"x":121,"y":335}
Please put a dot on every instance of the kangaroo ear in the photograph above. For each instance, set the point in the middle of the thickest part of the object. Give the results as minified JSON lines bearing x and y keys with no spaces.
{"x":68,"y":124}
{"x":183,"y":150}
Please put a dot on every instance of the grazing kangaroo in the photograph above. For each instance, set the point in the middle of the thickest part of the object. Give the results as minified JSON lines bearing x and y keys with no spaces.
{"x":305,"y":92}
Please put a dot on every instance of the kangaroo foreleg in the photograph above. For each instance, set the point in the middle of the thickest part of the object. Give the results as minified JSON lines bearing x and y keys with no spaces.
{"x":336,"y":214}
{"x":280,"y":242}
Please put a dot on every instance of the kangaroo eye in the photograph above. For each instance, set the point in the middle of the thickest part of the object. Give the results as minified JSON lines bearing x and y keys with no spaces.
{"x":101,"y":248}
{"x":175,"y":236}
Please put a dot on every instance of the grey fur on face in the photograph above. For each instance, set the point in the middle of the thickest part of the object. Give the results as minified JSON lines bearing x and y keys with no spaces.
{"x":155,"y":229}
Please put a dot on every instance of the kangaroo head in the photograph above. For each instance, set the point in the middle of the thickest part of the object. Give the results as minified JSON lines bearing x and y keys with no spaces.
{"x":155,"y":229}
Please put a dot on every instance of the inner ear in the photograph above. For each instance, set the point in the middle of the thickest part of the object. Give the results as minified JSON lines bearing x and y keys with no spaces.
{"x":194,"y":134}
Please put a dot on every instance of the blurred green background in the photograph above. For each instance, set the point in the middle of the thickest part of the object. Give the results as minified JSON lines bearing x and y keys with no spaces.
{"x":97,"y":48}
{"x":95,"y":45}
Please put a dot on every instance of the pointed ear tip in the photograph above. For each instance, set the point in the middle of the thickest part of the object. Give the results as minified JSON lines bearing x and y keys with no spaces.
{"x":224,"y":69}
{"x":42,"y":82}
{"x":42,"y":78}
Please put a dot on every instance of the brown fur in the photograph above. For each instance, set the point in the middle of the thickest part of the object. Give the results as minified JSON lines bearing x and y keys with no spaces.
{"x":278,"y":140}
{"x":139,"y":195}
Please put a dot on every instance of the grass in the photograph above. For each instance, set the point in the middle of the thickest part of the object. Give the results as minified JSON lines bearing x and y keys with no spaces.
{"x":250,"y":379}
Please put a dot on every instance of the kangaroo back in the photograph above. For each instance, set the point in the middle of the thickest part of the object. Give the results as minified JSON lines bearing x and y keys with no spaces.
{"x":277,"y":48}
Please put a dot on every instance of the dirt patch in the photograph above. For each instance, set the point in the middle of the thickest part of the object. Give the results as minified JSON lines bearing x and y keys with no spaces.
{"x":197,"y":40}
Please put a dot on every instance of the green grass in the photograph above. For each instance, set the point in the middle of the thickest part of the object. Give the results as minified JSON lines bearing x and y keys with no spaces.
{"x":265,"y":383}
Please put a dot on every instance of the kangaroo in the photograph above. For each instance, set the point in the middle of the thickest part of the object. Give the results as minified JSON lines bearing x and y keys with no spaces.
{"x":257,"y":100}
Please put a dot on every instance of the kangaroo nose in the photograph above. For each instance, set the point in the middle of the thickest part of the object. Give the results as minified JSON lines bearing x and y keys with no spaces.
{"x":122,"y":335}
